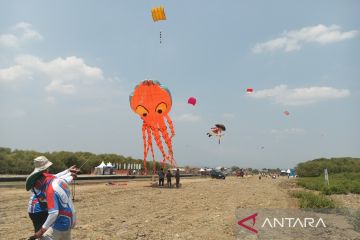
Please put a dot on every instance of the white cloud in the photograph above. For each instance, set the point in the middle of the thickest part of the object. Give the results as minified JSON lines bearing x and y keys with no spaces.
{"x":27,"y":32}
{"x":294,"y":39}
{"x":60,"y":87}
{"x":9,"y":41}
{"x":64,"y":74}
{"x":13,"y":73}
{"x":21,"y":33}
{"x":187,"y":117}
{"x":300,"y":96}
{"x":288,"y":131}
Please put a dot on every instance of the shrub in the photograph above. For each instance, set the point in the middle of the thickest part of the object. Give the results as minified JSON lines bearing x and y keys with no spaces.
{"x":312,"y":200}
{"x":336,"y":189}
{"x":315,"y":168}
{"x":355,"y":188}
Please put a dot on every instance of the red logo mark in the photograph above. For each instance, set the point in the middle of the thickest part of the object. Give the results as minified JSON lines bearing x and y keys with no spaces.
{"x":253,"y":217}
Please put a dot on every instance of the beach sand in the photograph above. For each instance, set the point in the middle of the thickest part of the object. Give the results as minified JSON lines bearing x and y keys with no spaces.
{"x":203,"y":208}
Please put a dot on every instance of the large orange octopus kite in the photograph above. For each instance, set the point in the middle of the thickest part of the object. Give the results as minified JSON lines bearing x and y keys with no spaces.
{"x":152,"y":102}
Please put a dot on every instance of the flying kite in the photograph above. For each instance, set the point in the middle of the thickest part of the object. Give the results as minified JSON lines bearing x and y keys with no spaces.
{"x":158,"y":14}
{"x":286,"y":113}
{"x":249,"y":90}
{"x":152,"y":102}
{"x":192,"y":101}
{"x":217,"y":131}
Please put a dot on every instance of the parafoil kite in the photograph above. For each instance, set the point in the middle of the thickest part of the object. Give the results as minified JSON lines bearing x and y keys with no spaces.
{"x":286,"y":113}
{"x":192,"y":101}
{"x":158,"y":14}
{"x":152,"y":102}
{"x":217,"y":131}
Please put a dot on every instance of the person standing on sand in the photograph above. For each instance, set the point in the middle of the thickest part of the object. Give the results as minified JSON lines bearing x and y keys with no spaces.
{"x":61,"y":213}
{"x":241,"y":173}
{"x":161,"y":177}
{"x":37,"y":206}
{"x":177,"y":178}
{"x":168,"y":178}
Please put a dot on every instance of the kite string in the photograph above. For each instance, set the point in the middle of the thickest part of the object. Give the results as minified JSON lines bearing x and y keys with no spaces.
{"x":73,"y":185}
{"x":73,"y":190}
{"x":84,"y":164}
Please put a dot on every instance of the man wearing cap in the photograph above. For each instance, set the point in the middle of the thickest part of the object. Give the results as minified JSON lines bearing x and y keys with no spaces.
{"x":50,"y":191}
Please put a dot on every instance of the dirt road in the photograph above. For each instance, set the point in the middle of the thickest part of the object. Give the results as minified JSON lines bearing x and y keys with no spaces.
{"x":200,"y":209}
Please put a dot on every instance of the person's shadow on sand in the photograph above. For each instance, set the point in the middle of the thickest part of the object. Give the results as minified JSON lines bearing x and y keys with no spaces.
{"x":156,"y":185}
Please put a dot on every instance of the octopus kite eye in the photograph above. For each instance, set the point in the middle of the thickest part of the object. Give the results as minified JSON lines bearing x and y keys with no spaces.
{"x":161,"y":108}
{"x":141,"y":111}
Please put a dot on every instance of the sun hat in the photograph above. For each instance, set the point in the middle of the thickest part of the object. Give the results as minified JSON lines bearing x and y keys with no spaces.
{"x":41,"y":164}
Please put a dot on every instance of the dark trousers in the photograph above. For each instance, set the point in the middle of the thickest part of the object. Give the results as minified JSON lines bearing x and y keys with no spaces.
{"x":161,"y":182}
{"x":168,"y":182}
{"x":177,"y":182}
{"x":38,"y":219}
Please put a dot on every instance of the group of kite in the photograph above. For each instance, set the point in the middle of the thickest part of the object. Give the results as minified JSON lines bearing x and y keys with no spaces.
{"x":152,"y":102}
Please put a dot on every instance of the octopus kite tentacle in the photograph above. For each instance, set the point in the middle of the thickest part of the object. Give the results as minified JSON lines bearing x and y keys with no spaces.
{"x":159,"y":143}
{"x":146,"y":149}
{"x":168,"y":142}
{"x":171,"y":126}
{"x":151,"y":147}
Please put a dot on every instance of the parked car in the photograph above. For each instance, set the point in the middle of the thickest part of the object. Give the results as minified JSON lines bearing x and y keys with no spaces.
{"x":217,"y":174}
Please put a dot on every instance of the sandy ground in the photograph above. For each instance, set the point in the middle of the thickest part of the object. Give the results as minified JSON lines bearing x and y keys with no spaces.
{"x":202,"y":208}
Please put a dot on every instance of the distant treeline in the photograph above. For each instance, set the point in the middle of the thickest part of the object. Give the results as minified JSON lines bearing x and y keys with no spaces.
{"x":316,"y":167}
{"x":21,"y":161}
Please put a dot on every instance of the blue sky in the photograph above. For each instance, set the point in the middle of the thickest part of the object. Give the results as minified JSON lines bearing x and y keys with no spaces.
{"x":67,"y":69}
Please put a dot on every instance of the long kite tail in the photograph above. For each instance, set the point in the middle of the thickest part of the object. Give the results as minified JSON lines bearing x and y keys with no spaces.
{"x":149,"y":140}
{"x":171,"y":125}
{"x":145,"y":146}
{"x":168,"y":142}
{"x":158,"y":141}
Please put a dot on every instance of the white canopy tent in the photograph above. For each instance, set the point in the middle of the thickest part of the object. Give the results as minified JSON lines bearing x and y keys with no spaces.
{"x":102,"y":165}
{"x":99,"y":170}
{"x":104,"y":169}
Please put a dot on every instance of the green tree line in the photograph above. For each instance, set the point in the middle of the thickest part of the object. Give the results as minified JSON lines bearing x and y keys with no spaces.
{"x":315,"y":168}
{"x":21,"y":161}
